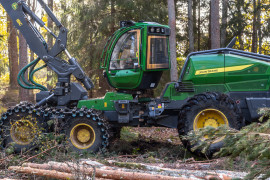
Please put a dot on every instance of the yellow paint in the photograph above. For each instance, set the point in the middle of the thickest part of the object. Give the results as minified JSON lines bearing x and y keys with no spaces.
{"x":22,"y":132}
{"x":82,"y":136}
{"x":105,"y":104}
{"x":137,"y":54}
{"x":219,"y":70}
{"x":19,"y":22}
{"x":210,"y":117}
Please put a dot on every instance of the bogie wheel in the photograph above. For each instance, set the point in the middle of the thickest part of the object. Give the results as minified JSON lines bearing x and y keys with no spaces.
{"x":208,"y":109}
{"x":21,"y":127}
{"x":87,"y":134}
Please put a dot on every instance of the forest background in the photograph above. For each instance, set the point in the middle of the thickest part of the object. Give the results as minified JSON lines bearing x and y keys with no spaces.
{"x":200,"y":25}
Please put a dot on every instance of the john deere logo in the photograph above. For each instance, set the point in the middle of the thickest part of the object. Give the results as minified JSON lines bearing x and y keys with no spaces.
{"x":15,"y":6}
{"x":19,"y":22}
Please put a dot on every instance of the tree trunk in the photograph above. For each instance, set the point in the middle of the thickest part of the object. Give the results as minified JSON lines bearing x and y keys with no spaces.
{"x":50,"y":44}
{"x":12,"y":54}
{"x":209,"y":29}
{"x":194,"y":12}
{"x":259,"y":27}
{"x":241,"y":42}
{"x":99,"y":173}
{"x":112,"y":15}
{"x":190,"y":26}
{"x":23,"y":93}
{"x":215,"y":28}
{"x":42,"y":172}
{"x":199,"y":25}
{"x":32,"y":56}
{"x":254,"y":32}
{"x":172,"y":24}
{"x":31,"y":92}
{"x":223,"y":31}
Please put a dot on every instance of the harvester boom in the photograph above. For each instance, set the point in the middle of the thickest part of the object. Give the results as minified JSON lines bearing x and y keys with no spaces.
{"x":25,"y":20}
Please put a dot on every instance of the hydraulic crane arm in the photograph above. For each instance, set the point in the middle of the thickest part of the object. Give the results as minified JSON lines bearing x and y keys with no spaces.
{"x":25,"y":20}
{"x":18,"y":11}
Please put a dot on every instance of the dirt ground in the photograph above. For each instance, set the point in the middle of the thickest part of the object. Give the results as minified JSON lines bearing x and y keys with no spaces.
{"x":151,"y":150}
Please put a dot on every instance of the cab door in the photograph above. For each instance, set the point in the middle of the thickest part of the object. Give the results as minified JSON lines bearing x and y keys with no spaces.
{"x":125,"y":61}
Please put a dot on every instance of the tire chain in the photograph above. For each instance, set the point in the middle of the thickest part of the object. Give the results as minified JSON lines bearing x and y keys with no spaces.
{"x":66,"y":114}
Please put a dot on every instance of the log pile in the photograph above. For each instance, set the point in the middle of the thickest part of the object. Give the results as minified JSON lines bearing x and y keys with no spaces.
{"x":74,"y":171}
{"x":84,"y":170}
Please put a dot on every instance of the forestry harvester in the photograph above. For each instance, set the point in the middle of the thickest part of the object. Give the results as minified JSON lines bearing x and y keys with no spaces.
{"x":216,"y":87}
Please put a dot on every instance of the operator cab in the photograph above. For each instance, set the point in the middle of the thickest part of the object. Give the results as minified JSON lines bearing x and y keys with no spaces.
{"x":135,"y":57}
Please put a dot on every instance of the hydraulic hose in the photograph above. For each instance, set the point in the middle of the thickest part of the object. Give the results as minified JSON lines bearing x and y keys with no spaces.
{"x":27,"y":85}
{"x":32,"y":75}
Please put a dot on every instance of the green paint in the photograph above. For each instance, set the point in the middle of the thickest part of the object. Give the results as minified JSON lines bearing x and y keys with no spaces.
{"x":106,"y":103}
{"x":129,"y":78}
{"x":14,"y":6}
{"x":238,"y":74}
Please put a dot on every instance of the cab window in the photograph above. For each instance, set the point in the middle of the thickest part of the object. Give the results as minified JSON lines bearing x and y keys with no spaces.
{"x":126,"y":51}
{"x":157,"y":53}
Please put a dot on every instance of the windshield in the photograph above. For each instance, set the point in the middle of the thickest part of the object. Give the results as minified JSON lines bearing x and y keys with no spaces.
{"x":157,"y":56}
{"x":126,"y":51}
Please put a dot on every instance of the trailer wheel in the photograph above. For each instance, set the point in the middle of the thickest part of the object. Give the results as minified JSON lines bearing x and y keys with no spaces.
{"x":208,"y":109}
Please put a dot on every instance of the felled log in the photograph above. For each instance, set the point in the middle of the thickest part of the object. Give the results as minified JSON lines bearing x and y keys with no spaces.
{"x":101,"y":173}
{"x":42,"y":172}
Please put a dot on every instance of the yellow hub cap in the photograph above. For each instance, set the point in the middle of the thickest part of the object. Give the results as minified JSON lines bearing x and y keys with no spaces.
{"x":22,"y":132}
{"x":210,"y":117}
{"x":82,"y":136}
{"x":211,"y":122}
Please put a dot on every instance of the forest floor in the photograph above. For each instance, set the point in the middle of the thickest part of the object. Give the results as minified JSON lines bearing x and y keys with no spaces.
{"x":141,"y":150}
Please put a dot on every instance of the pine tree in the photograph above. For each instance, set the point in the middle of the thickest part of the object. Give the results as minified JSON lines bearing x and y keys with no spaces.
{"x":172,"y":24}
{"x":23,"y":61}
{"x":223,"y":31}
{"x":190,"y":26}
{"x":215,"y":28}
{"x":12,"y":54}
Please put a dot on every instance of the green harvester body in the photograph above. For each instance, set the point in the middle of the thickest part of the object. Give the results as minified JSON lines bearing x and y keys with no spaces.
{"x":216,"y":87}
{"x":240,"y":76}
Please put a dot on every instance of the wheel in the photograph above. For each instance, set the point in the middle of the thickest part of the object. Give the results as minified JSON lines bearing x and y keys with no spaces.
{"x":21,"y":128}
{"x":87,"y":134}
{"x":208,"y":109}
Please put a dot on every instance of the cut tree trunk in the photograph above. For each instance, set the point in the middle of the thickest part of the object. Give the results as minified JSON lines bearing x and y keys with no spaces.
{"x":100,"y":173}
{"x":42,"y":172}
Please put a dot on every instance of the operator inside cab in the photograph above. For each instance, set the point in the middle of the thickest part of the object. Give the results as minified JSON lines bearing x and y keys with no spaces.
{"x":126,"y":51}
